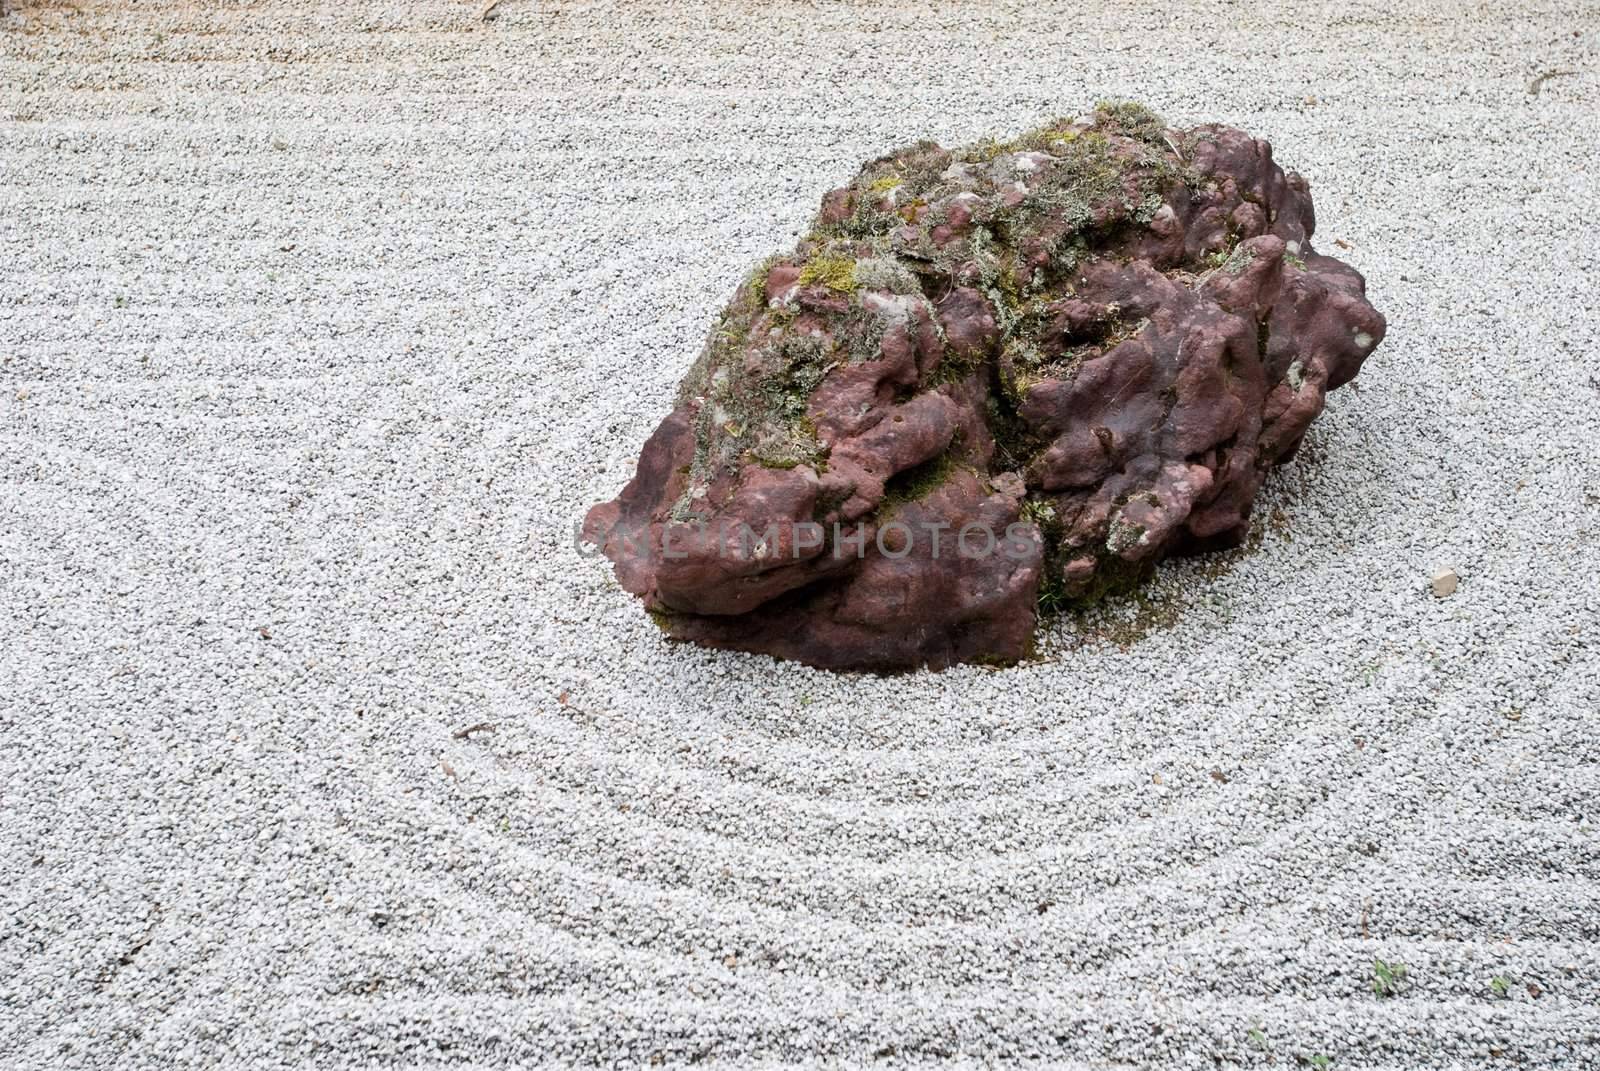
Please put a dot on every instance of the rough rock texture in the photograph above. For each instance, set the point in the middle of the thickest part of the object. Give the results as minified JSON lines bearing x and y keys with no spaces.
{"x":1086,"y":347}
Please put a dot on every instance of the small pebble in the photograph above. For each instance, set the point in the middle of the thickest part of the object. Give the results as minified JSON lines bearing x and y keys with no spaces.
{"x":1444,"y":583}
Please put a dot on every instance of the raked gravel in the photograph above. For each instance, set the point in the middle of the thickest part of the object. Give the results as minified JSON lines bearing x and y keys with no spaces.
{"x":321,"y":324}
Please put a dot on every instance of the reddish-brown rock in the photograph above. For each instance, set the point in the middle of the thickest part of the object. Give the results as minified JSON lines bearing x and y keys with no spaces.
{"x":1041,"y":364}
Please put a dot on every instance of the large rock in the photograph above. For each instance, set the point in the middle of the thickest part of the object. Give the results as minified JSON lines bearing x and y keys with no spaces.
{"x":986,"y":374}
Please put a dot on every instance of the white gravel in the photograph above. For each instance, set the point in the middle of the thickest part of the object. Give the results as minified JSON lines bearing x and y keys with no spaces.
{"x":320,"y":325}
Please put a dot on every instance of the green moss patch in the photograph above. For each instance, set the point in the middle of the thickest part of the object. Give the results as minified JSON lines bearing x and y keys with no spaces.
{"x":834,"y":272}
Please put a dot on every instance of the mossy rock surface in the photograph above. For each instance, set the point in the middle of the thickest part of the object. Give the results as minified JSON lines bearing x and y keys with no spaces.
{"x":1092,"y":340}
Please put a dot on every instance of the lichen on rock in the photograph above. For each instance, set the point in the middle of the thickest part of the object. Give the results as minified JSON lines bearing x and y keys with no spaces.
{"x":1090,"y":342}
